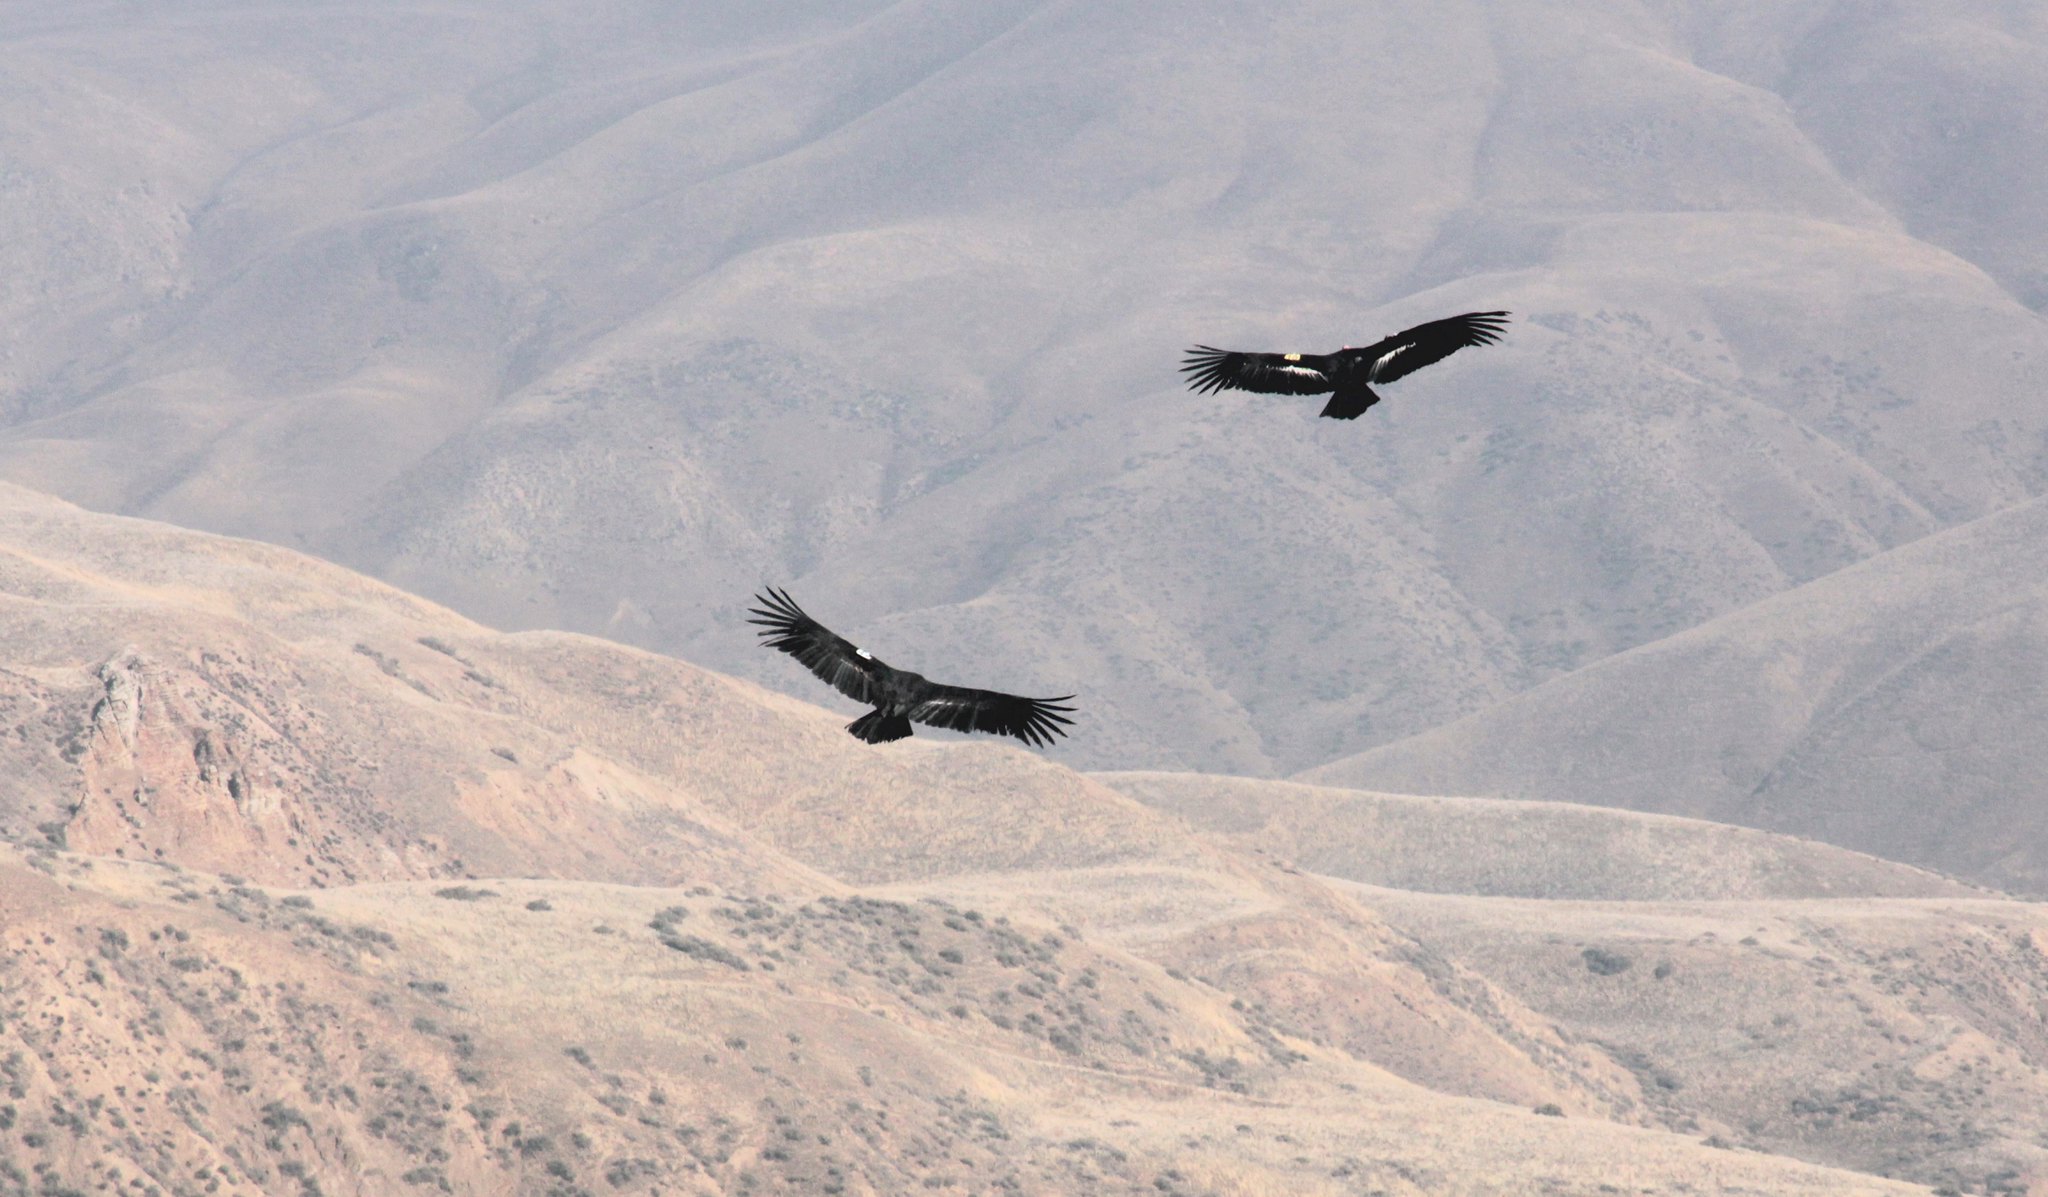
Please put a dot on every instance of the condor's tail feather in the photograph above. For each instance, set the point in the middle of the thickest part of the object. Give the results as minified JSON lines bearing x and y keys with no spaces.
{"x":876,"y":727}
{"x":1350,"y":402}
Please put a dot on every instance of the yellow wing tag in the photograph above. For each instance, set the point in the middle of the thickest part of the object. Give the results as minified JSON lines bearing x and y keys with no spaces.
{"x":1291,"y":357}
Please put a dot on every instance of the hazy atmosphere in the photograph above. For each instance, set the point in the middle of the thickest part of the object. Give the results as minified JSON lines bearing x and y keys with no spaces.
{"x":1610,"y":764}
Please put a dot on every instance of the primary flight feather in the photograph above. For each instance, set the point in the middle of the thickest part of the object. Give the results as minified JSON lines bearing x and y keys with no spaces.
{"x":1347,"y":374}
{"x":899,"y":696}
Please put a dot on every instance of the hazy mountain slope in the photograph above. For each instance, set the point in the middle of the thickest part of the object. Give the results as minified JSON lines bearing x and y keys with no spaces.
{"x":168,"y":1028}
{"x":1518,"y":849}
{"x":1954,"y":167}
{"x":1896,"y":1037}
{"x":599,"y":317}
{"x":1893,"y":707}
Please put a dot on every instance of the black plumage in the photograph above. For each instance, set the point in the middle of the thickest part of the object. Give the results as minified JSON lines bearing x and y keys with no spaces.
{"x":899,"y":696}
{"x":1347,"y":373}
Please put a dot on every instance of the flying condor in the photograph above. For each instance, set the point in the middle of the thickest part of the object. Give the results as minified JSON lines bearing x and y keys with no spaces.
{"x":1347,"y":372}
{"x":898,"y":695}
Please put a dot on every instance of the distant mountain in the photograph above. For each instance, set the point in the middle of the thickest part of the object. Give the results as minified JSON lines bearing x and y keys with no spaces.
{"x":1893,"y":707}
{"x":598,"y":316}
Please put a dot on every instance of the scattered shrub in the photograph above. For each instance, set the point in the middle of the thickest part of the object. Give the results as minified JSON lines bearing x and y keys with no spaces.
{"x":703,"y":949}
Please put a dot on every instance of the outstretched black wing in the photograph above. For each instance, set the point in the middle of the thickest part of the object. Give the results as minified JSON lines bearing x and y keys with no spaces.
{"x":1406,"y":352}
{"x":1211,"y":369}
{"x":832,"y":658}
{"x":957,"y":708}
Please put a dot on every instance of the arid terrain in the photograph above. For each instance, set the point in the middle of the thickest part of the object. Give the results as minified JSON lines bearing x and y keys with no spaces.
{"x":312,"y":886}
{"x":1612,"y":766}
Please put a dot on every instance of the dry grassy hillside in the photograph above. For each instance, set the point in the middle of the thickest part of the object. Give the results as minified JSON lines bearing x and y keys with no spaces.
{"x":165,"y":1028}
{"x":286,"y":719}
{"x":1894,"y":707}
{"x":1766,"y":992}
{"x":835,"y":968}
{"x":229,"y":705}
{"x":1897,"y":1037}
{"x":296,"y":723}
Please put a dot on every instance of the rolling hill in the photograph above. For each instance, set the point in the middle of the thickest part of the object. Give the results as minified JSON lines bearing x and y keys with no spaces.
{"x":1780,"y":994}
{"x":1507,"y":849}
{"x":1891,"y":707}
{"x":311,"y":884}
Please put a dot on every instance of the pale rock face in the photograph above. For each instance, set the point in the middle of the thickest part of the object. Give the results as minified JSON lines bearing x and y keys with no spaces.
{"x":163,"y":774}
{"x":119,"y":713}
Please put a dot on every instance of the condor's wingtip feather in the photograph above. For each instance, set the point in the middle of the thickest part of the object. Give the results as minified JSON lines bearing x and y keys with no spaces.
{"x":775,"y":604}
{"x":1042,"y":722}
{"x":1486,"y":327}
{"x":1207,"y":368}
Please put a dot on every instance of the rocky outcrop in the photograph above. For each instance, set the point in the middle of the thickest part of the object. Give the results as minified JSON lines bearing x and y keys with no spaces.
{"x":157,"y":773}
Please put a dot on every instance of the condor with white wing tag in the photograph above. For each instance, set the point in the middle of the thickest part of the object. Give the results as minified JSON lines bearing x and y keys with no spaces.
{"x":1346,"y":375}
